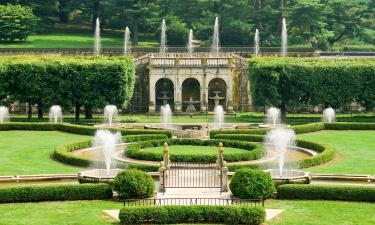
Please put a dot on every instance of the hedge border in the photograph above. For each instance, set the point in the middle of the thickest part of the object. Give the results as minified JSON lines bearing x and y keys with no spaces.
{"x":59,"y":192}
{"x":252,"y":151}
{"x":233,"y":214}
{"x":326,"y":192}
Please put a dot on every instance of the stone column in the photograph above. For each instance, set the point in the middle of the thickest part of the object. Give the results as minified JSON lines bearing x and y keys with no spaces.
{"x":161,"y":178}
{"x":224,"y":178}
{"x":152,"y":89}
{"x":204,"y":93}
{"x":230,"y":95}
{"x":178,"y":95}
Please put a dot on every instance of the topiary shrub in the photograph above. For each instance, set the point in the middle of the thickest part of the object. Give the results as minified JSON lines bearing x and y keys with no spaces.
{"x":134,"y":184}
{"x":252,"y":184}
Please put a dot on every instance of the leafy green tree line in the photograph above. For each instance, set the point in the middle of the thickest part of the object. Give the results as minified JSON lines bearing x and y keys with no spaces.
{"x":318,"y":23}
{"x":288,"y":82}
{"x":72,"y":82}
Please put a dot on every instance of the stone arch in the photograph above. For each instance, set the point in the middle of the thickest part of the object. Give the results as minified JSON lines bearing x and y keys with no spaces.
{"x":217,"y":86}
{"x":164,"y":87}
{"x":191,"y":88}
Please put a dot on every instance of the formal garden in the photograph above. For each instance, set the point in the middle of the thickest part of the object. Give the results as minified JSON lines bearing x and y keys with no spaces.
{"x":116,"y":112}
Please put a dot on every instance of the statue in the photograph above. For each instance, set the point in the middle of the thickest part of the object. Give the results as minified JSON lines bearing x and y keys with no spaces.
{"x":166,"y":158}
{"x":220,"y":156}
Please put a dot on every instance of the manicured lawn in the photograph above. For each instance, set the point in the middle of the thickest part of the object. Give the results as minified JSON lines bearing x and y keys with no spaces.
{"x":29,"y":152}
{"x":323,"y":213}
{"x":90,"y":213}
{"x":196,"y":150}
{"x":61,"y":40}
{"x":356,"y":150}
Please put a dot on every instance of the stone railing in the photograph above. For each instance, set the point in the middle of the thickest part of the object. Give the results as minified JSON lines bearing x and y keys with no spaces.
{"x":190,"y":59}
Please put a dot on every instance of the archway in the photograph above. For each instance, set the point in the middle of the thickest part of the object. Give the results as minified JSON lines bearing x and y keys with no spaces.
{"x":164,"y":93}
{"x":217,"y":87}
{"x":191,"y":90}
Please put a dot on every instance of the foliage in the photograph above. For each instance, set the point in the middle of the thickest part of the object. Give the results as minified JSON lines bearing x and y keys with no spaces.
{"x":289,"y":82}
{"x":68,"y":81}
{"x":145,"y":137}
{"x":192,"y":214}
{"x":327,"y":192}
{"x":134,"y":184}
{"x":55,"y":192}
{"x":252,"y":184}
{"x":16,"y":22}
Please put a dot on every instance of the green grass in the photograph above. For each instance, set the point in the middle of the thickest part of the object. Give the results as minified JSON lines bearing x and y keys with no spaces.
{"x":90,"y":213}
{"x":29,"y":152}
{"x":63,"y":40}
{"x":355,"y":149}
{"x":323,"y":213}
{"x":196,"y":150}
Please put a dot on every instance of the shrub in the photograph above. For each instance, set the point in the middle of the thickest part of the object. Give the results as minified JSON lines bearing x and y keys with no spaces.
{"x":16,"y":22}
{"x":134,"y":184}
{"x":55,"y":193}
{"x":175,"y":214}
{"x":252,"y":184}
{"x":326,"y":192}
{"x":349,"y":126}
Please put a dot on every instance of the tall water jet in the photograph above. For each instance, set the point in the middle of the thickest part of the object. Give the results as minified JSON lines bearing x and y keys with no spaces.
{"x":166,"y":116}
{"x":273,"y":116}
{"x":127,"y":43}
{"x":284,"y":39}
{"x":110,"y":115}
{"x":55,"y":114}
{"x":98,"y":44}
{"x":4,"y":114}
{"x":216,"y":39}
{"x":280,"y":139}
{"x":329,"y":115}
{"x":190,"y":45}
{"x":219,"y":117}
{"x":107,"y":142}
{"x":163,"y":37}
{"x":256,"y":42}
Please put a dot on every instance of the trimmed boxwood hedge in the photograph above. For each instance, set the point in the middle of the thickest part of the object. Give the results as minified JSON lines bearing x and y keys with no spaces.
{"x":253,"y":151}
{"x":58,"y":192}
{"x":326,"y":192}
{"x":174,"y":214}
{"x":63,"y":154}
{"x":145,"y":137}
{"x":76,"y":129}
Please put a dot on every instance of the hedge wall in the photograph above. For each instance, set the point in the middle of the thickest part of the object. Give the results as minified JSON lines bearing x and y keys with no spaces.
{"x":67,"y":81}
{"x":283,"y":82}
{"x":253,"y":151}
{"x":192,"y":214}
{"x":326,"y":192}
{"x":55,"y":193}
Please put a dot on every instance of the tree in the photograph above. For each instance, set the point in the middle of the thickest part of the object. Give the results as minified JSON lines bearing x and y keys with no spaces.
{"x":16,"y":22}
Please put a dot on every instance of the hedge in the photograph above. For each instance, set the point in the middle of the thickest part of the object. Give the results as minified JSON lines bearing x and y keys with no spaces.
{"x":326,"y":192}
{"x":359,"y":48}
{"x":253,"y":151}
{"x":349,"y":126}
{"x":63,"y":154}
{"x":174,"y":214}
{"x":134,"y":184}
{"x":145,"y":137}
{"x":76,"y":129}
{"x":55,"y":193}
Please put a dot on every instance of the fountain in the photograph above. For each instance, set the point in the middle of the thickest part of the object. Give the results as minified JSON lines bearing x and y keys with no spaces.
{"x":256,"y":42}
{"x":217,"y":98}
{"x":273,"y":116}
{"x":166,"y":116}
{"x":219,"y":117}
{"x":55,"y":114}
{"x":191,"y":108}
{"x":106,"y":142}
{"x":329,"y":115}
{"x":190,"y":45}
{"x":165,"y":97}
{"x":98,"y":45}
{"x":284,"y":39}
{"x":163,"y":38}
{"x":4,"y":114}
{"x":215,"y":39}
{"x":127,"y":43}
{"x":110,"y":115}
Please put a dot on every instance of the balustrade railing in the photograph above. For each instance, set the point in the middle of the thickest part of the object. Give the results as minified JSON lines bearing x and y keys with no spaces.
{"x":193,"y":201}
